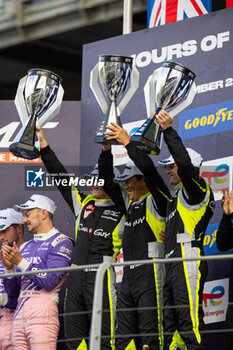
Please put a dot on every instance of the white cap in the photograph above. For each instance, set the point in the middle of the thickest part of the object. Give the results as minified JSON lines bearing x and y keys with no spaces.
{"x":38,"y":201}
{"x":9,"y":217}
{"x":195,"y":157}
{"x":95,"y":172}
{"x":129,"y":171}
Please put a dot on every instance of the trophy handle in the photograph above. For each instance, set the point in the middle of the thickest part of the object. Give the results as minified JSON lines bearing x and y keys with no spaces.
{"x":22,"y":108}
{"x":20,"y":102}
{"x":54,"y":109}
{"x":94,"y":85}
{"x":186,"y":102}
{"x":149,"y":93}
{"x":133,"y":87}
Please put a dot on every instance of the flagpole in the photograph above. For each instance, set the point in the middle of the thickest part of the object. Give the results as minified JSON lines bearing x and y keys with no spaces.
{"x":127,"y":16}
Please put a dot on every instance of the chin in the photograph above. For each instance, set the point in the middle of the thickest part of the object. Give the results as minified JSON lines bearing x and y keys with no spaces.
{"x":131,"y":197}
{"x":96,"y":193}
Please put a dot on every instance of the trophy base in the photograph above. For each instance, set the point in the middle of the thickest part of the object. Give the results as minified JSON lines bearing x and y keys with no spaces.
{"x":145,"y":145}
{"x":23,"y":150}
{"x":102,"y":139}
{"x":148,"y":137}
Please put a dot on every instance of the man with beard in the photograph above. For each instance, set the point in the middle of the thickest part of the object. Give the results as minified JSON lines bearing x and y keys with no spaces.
{"x":35,"y":323}
{"x":98,"y":232}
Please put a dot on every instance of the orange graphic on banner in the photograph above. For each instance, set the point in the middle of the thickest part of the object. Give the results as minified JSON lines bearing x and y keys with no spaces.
{"x":8,"y":157}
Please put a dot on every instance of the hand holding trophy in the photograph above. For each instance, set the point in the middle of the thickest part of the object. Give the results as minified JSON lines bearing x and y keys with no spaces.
{"x":170,"y":87}
{"x":38,"y":98}
{"x":113,"y":73}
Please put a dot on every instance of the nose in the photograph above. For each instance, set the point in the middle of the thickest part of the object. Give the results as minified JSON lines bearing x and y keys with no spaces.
{"x":24,"y":220}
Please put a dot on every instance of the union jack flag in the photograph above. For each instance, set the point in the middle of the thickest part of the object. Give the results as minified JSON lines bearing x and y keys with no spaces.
{"x":167,"y":11}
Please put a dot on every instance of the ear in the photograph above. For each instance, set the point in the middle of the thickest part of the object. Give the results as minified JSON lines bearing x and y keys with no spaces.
{"x":143,"y":180}
{"x":19,"y":228}
{"x":44,"y":214}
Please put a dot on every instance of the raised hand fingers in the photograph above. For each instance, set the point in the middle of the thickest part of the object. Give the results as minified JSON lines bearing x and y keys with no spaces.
{"x":231,"y":202}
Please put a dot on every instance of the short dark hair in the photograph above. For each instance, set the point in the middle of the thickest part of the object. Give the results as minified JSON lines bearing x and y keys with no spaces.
{"x":139,"y":177}
{"x":16,"y":225}
{"x":197,"y":170}
{"x":50,"y":216}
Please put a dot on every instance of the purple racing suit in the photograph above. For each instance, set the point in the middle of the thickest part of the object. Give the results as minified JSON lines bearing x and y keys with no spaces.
{"x":7,"y":308}
{"x":35,"y":322}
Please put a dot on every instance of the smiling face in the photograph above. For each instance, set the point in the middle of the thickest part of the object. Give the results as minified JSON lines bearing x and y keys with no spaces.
{"x":136,"y":188}
{"x":33,"y":219}
{"x":172,"y":172}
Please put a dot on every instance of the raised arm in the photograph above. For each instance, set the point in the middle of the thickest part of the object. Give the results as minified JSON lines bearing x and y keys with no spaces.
{"x":195,"y":186}
{"x":114,"y":190}
{"x":53,"y":165}
{"x":143,"y":162}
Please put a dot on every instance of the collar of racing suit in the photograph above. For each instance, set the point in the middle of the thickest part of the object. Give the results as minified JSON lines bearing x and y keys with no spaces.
{"x":45,"y":236}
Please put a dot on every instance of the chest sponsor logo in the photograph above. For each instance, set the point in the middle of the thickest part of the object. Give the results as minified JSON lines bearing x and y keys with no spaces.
{"x":44,"y":246}
{"x":41,"y":275}
{"x":110,"y":215}
{"x":65,"y":250}
{"x":33,"y":259}
{"x":170,"y":216}
{"x":88,"y":210}
{"x":111,"y":212}
{"x":82,"y":228}
{"x":100,"y":232}
{"x":135,"y":222}
{"x":169,"y":254}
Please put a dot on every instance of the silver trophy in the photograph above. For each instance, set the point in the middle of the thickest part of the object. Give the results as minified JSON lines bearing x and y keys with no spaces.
{"x":113,"y":74}
{"x":170,"y":87}
{"x":38,"y":99}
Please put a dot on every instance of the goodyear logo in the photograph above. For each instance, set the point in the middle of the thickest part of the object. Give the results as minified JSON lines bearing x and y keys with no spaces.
{"x":209,"y":242}
{"x":206,"y":120}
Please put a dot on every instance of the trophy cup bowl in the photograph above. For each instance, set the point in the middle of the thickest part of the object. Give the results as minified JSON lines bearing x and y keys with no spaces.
{"x":170,"y":87}
{"x":113,"y":74}
{"x":38,"y":92}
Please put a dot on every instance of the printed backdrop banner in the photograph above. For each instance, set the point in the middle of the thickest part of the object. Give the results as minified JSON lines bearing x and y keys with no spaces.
{"x":63,"y":135}
{"x":204,"y":45}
